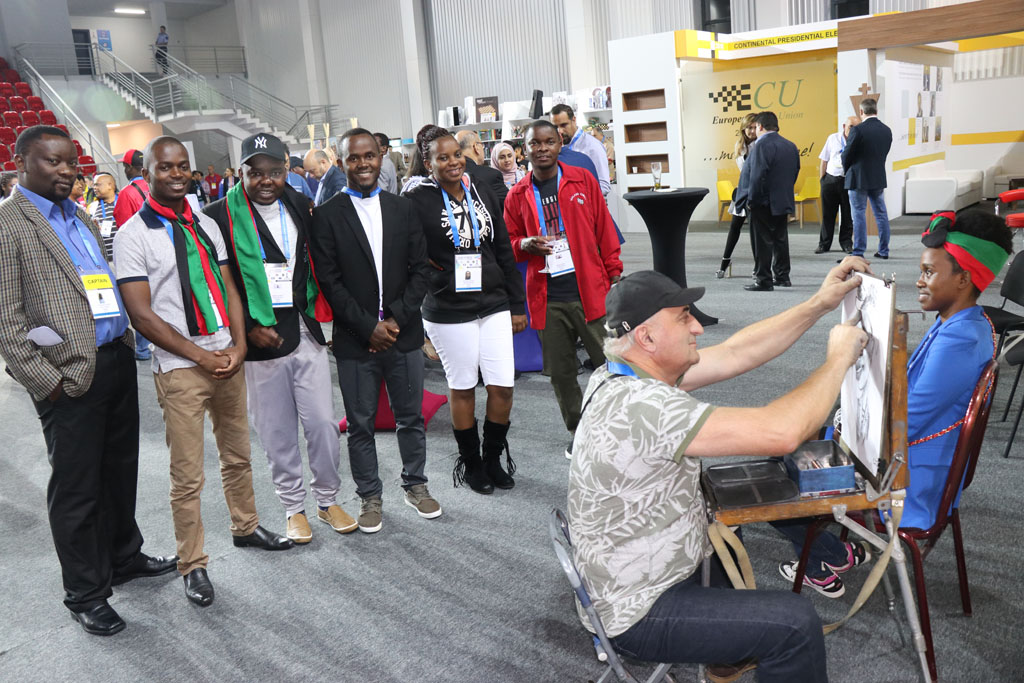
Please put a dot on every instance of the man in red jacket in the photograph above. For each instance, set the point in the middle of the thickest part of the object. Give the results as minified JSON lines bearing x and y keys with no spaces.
{"x":131,"y":199}
{"x":559,"y":224}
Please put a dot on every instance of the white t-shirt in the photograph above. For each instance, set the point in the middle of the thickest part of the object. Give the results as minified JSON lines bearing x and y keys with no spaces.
{"x":368,"y":211}
{"x":832,"y":152}
{"x":271,"y":214}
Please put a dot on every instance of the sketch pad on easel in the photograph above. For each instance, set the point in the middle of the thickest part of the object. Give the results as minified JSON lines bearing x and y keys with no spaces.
{"x":863,"y":399}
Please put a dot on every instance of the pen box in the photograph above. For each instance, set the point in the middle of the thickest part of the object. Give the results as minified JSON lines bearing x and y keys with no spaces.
{"x":820,"y":468}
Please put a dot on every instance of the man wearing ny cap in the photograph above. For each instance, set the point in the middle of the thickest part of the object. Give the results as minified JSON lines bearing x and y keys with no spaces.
{"x":265,"y":225}
{"x":634,"y":495}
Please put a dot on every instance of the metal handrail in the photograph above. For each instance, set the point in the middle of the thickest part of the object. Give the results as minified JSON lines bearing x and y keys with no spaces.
{"x":100,"y":154}
{"x":212,"y":59}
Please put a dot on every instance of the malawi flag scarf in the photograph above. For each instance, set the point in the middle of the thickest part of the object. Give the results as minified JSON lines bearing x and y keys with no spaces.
{"x":202,"y":288}
{"x":245,"y":241}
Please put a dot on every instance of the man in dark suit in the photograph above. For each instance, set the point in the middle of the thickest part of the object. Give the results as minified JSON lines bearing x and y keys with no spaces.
{"x":864,"y":163}
{"x":330,"y":178}
{"x":774,"y":164}
{"x":371,"y":263}
{"x":480,"y":172}
{"x":64,"y":336}
{"x":266,"y":225}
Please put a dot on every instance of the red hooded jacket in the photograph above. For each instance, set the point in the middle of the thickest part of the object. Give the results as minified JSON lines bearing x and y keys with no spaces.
{"x":592,"y":240}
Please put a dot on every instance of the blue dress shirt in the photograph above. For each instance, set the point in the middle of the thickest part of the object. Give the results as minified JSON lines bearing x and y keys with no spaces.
{"x":62,"y":219}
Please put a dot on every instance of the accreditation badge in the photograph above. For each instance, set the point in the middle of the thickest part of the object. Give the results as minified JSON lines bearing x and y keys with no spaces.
{"x":468,"y":273}
{"x":100,"y":292}
{"x":279,"y":280}
{"x":106,"y":228}
{"x":559,"y":261}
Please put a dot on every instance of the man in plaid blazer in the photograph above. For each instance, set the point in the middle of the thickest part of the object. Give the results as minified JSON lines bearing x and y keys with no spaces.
{"x":64,"y":337}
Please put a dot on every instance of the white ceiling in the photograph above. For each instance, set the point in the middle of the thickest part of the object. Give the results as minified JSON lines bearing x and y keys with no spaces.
{"x":176,"y":9}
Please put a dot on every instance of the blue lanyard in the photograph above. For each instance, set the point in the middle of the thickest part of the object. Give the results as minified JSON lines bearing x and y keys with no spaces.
{"x":456,"y":240}
{"x":88,"y":241}
{"x":170,"y":229}
{"x":540,"y":209}
{"x":359,"y":195}
{"x":285,"y":243}
{"x":620,"y":369}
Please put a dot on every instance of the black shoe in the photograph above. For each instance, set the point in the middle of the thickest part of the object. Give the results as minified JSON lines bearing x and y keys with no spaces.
{"x":144,"y":566}
{"x":101,"y":620}
{"x":198,"y":588}
{"x":758,"y":287}
{"x":821,"y":250}
{"x":496,"y":443}
{"x":884,"y":258}
{"x":568,"y":449}
{"x":783,"y":283}
{"x":848,"y":249}
{"x":469,"y":467}
{"x":261,"y":538}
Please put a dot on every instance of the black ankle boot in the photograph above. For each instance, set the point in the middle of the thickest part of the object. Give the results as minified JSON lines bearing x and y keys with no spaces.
{"x":494,"y":443}
{"x":469,"y":468}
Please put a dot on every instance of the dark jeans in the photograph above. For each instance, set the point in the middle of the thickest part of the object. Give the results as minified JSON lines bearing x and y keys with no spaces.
{"x":835,"y":200}
{"x":827,"y":546}
{"x":771,"y":234}
{"x":717,"y":625}
{"x":92,"y":443}
{"x":360,"y":381}
{"x":161,"y":58}
{"x":566,"y":323}
{"x":734,"y":236}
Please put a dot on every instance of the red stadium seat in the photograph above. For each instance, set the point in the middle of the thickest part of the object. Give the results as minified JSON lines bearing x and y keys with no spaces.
{"x":7,"y":135}
{"x":17,"y":103}
{"x":47,"y":118}
{"x":7,"y":90}
{"x":10,"y":166}
{"x":62,"y":127}
{"x":3,"y":63}
{"x":10,"y":76}
{"x":35,"y":103}
{"x":23,"y":89}
{"x":12,"y":119}
{"x":5,"y":154}
{"x":86,"y":165}
{"x":30,"y":118}
{"x":20,"y":129}
{"x":78,"y":147}
{"x":3,"y":104}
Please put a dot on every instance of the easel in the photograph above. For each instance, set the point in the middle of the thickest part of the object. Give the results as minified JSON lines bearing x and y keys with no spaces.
{"x":882,"y":495}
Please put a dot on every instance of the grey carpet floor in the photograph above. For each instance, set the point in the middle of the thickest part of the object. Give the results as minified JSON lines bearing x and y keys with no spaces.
{"x":475,"y":595}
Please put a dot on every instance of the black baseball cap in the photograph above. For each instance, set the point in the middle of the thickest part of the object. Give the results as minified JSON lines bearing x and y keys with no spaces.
{"x":638,"y":296}
{"x":133,"y":158}
{"x":262,"y":143}
{"x":294,"y":161}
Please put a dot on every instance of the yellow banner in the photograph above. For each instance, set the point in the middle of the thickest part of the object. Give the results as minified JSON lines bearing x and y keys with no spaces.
{"x":772,"y":41}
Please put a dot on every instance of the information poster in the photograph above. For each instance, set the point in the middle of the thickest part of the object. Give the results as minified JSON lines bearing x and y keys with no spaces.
{"x":917,"y":104}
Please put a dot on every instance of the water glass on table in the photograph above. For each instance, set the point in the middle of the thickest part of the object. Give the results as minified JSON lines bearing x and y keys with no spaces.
{"x":656,"y":172}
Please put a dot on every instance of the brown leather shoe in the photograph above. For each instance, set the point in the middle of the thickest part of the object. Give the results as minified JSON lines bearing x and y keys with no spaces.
{"x":298,"y":528}
{"x":339,"y":520}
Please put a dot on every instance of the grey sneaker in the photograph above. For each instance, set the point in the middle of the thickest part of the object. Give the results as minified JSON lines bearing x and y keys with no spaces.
{"x":370,"y":518}
{"x":417,"y":496}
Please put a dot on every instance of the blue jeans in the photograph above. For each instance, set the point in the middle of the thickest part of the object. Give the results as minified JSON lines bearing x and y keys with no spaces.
{"x":142,"y":351}
{"x":859,"y":204}
{"x":717,"y":625}
{"x":827,"y":546}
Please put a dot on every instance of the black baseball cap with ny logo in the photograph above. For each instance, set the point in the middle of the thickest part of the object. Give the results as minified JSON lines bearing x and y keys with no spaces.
{"x":262,"y":143}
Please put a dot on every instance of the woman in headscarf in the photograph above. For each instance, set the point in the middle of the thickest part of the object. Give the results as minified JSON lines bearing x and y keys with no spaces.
{"x":503,"y":158}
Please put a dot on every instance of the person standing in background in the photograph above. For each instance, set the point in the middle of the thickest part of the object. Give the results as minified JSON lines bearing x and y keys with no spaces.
{"x":388,"y":179}
{"x":102,"y":210}
{"x":162,"y":39}
{"x":227,"y":182}
{"x":8,"y":181}
{"x":575,"y":139}
{"x":330,"y":179}
{"x":745,"y":137}
{"x":835,"y":199}
{"x":128,"y":203}
{"x":503,"y":158}
{"x":213,"y":181}
{"x":197,"y":187}
{"x":864,"y":164}
{"x":297,"y":178}
{"x":476,"y":166}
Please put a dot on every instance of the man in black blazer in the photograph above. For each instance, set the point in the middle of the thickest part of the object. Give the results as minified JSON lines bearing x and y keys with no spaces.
{"x":480,"y":172}
{"x":281,"y":326}
{"x":774,"y":164}
{"x":371,"y":262}
{"x":864,"y":163}
{"x":330,"y":178}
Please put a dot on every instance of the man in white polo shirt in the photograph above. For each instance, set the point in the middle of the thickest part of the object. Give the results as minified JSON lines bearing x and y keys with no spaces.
{"x":834,"y":197}
{"x":178,"y":290}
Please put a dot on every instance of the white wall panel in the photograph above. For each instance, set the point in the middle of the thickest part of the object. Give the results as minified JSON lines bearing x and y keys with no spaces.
{"x":615,"y":19}
{"x":808,"y":11}
{"x":366,"y":74}
{"x":267,"y":28}
{"x":501,"y":47}
{"x":217,"y":27}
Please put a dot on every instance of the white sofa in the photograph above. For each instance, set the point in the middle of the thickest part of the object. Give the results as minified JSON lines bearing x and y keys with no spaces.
{"x":997,"y":178}
{"x":932,"y":187}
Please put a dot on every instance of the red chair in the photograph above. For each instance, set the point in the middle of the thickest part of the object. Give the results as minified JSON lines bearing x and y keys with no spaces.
{"x":20,"y":129}
{"x":23,"y":89}
{"x":6,"y":89}
{"x":30,"y":118}
{"x":10,"y":166}
{"x":7,"y":135}
{"x":86,"y":165}
{"x":12,"y":118}
{"x":3,"y":63}
{"x":47,"y":118}
{"x":78,"y":147}
{"x":62,"y":127}
{"x":965,"y":460}
{"x":17,"y":103}
{"x":35,"y":103}
{"x":3,"y":103}
{"x":5,"y":154}
{"x":10,"y":75}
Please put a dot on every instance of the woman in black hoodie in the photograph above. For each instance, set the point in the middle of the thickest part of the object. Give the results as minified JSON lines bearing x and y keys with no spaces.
{"x":474,"y":304}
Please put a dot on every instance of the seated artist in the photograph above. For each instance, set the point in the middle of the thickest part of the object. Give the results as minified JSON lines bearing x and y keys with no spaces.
{"x":636,"y":511}
{"x":962,"y":256}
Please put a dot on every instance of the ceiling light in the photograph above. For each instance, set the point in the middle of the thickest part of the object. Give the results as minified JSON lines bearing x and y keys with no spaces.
{"x":113,"y":125}
{"x":128,"y":10}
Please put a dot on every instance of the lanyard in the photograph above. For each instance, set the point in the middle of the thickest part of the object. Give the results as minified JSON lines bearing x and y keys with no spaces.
{"x":359,"y":195}
{"x":540,"y":209}
{"x":170,"y":229}
{"x":88,"y":241}
{"x":620,"y":369}
{"x":451,"y":218}
{"x":285,"y":242}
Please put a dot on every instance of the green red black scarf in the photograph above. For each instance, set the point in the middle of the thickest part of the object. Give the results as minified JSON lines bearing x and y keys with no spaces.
{"x":246,"y":244}
{"x":202,"y":288}
{"x":979,"y":257}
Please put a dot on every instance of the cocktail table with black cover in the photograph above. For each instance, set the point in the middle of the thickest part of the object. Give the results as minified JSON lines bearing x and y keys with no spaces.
{"x":667,"y":216}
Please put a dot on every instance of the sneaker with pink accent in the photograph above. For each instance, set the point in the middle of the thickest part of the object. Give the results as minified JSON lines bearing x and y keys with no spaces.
{"x":831,"y":586}
{"x":856,"y":555}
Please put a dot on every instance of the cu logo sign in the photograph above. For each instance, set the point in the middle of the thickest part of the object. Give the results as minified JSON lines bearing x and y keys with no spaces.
{"x":732,"y":94}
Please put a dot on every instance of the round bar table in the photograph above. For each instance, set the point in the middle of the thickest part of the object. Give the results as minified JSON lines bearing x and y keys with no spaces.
{"x":667,"y":216}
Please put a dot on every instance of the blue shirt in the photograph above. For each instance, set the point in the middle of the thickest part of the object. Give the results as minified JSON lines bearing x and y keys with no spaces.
{"x":63,"y":224}
{"x":298,"y":184}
